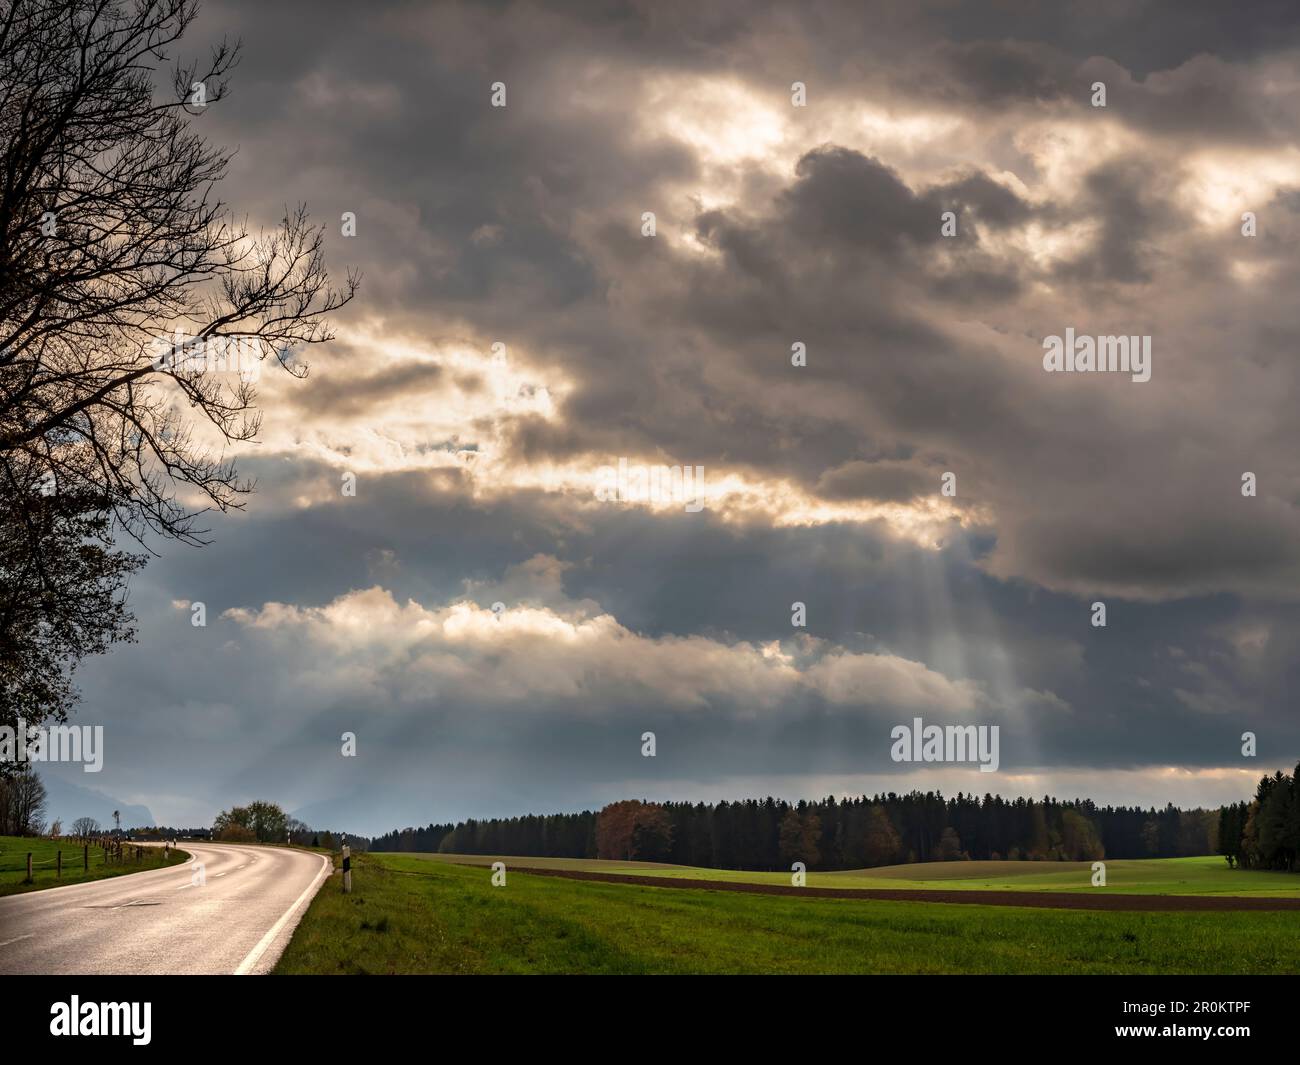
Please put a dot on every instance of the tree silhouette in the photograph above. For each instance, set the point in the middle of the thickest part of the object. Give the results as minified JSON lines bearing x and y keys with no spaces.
{"x":61,"y":596}
{"x":851,"y":832}
{"x":22,"y":803}
{"x":632,"y":829}
{"x":129,"y":292}
{"x":85,"y":827}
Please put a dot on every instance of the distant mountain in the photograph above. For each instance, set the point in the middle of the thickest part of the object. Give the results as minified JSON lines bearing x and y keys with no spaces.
{"x":66,"y":802}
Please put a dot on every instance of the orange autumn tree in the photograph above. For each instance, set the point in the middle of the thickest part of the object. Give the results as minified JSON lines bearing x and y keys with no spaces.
{"x":633,"y":829}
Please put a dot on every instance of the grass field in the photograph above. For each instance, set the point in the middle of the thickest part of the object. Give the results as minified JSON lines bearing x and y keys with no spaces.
{"x":13,"y":863}
{"x":1166,"y":876}
{"x":411,"y":914}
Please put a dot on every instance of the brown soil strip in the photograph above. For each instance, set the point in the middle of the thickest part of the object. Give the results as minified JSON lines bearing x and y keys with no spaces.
{"x":1047,"y":900}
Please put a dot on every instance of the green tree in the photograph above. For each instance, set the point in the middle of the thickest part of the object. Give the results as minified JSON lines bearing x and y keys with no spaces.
{"x":1229,"y":834}
{"x":1040,"y":842}
{"x":260,"y":821}
{"x":632,"y":829}
{"x":1079,"y":838}
{"x":1274,"y":828}
{"x":268,"y":821}
{"x":949,"y":848}
{"x":881,"y":841}
{"x":1151,"y":837}
{"x":800,"y":837}
{"x":235,"y":817}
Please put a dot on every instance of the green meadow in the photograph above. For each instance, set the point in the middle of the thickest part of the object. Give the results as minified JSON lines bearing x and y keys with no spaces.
{"x":1165,"y":876}
{"x":424,"y":914}
{"x":13,"y":863}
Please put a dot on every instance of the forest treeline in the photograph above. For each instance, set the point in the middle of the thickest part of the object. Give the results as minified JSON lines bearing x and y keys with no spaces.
{"x":832,"y":834}
{"x":1265,"y":832}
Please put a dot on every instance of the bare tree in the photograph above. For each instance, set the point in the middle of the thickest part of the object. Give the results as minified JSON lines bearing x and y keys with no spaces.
{"x":85,"y":827}
{"x":134,"y":310}
{"x":124,"y":280}
{"x":22,"y":803}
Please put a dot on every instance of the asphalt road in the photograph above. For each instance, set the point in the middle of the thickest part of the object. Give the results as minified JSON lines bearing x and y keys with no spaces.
{"x":238,"y":921}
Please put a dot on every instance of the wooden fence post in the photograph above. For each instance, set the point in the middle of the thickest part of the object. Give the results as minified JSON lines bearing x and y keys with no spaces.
{"x":58,"y":867}
{"x":85,"y":857}
{"x":29,"y":868}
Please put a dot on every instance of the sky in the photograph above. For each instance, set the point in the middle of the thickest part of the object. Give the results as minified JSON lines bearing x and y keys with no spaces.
{"x":520,"y":332}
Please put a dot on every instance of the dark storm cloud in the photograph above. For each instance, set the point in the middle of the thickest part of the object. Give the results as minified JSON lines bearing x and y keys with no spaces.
{"x":356,"y":393}
{"x":1145,"y":36}
{"x":890,"y":481}
{"x":1000,"y":72}
{"x":990,"y":203}
{"x":806,"y":264}
{"x":924,"y":356}
{"x":1121,"y":197}
{"x":548,"y":279}
{"x":840,"y":195}
{"x":268,"y":706}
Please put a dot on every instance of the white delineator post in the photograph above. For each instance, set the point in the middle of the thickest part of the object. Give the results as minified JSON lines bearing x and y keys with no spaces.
{"x":347,"y":870}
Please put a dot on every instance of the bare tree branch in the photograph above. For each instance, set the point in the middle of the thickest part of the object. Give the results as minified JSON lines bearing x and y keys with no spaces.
{"x":118,"y":263}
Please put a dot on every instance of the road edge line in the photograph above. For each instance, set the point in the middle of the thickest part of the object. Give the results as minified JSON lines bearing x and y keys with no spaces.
{"x":255,"y":955}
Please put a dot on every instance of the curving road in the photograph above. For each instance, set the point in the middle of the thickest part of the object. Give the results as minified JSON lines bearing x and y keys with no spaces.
{"x":160,"y":922}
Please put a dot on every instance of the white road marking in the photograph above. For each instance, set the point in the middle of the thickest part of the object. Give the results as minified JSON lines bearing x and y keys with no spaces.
{"x":255,"y":955}
{"x":8,"y":941}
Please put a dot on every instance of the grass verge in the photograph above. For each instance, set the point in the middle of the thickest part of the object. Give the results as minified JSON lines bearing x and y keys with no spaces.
{"x":13,"y":863}
{"x":410,"y":915}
